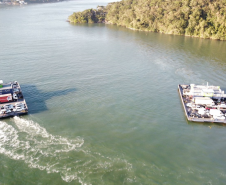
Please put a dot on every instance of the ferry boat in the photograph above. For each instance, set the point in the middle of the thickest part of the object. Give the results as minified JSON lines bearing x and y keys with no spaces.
{"x":203,"y":103}
{"x":12,"y":102}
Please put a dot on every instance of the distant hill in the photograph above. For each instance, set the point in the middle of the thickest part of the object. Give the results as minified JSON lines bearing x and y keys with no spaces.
{"x":42,"y":1}
{"x":31,"y":1}
{"x":198,"y":18}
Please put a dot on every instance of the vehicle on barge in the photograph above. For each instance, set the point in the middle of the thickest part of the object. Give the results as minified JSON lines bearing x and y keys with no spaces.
{"x":203,"y":103}
{"x":12,"y":102}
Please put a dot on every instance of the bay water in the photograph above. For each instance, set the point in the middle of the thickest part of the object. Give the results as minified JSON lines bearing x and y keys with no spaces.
{"x":103,"y":102}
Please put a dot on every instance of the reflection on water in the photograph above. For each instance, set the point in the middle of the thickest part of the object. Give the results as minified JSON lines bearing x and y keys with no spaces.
{"x":212,"y":51}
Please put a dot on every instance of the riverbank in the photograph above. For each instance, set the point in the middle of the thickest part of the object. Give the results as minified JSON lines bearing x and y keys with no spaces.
{"x":19,"y":2}
{"x":13,"y":3}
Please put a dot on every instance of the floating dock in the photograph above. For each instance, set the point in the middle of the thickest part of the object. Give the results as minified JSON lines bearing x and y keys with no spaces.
{"x":12,"y":102}
{"x":203,"y":103}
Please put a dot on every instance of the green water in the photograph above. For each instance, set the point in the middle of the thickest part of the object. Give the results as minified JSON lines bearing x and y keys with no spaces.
{"x":103,"y":102}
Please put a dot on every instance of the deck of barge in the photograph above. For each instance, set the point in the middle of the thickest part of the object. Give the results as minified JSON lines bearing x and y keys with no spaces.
{"x":195,"y":119}
{"x":14,"y":111}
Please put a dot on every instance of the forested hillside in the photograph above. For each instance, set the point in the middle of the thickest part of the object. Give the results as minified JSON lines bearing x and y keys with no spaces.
{"x":199,"y":18}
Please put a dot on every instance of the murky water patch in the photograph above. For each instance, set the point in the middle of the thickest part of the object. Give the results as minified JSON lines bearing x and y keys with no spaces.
{"x":30,"y":142}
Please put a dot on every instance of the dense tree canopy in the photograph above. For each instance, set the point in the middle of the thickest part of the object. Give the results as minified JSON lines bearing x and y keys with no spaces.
{"x":199,"y":18}
{"x":89,"y":16}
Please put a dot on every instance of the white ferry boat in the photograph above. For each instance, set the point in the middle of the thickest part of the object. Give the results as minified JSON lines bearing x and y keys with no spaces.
{"x":12,"y":102}
{"x":203,"y":103}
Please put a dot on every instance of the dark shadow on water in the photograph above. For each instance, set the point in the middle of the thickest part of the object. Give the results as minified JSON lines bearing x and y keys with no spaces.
{"x":36,"y":99}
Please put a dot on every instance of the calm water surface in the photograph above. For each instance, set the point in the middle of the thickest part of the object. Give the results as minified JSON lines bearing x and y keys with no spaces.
{"x":103,"y":101}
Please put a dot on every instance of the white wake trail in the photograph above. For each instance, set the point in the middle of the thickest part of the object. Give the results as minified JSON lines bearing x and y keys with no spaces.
{"x":33,"y":144}
{"x":30,"y":142}
{"x":35,"y":131}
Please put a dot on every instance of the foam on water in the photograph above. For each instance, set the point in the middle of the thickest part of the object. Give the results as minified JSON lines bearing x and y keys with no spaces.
{"x":30,"y":142}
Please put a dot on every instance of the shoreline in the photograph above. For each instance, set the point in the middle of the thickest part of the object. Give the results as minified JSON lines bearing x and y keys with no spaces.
{"x":16,"y":3}
{"x":134,"y":29}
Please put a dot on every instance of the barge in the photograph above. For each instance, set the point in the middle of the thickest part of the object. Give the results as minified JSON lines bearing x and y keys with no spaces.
{"x":12,"y":102}
{"x":203,"y":103}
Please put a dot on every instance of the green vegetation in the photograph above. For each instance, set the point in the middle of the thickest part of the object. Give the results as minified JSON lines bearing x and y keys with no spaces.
{"x":89,"y":16}
{"x":198,"y":18}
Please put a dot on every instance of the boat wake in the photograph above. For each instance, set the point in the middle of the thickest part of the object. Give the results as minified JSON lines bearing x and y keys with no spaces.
{"x":30,"y":142}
